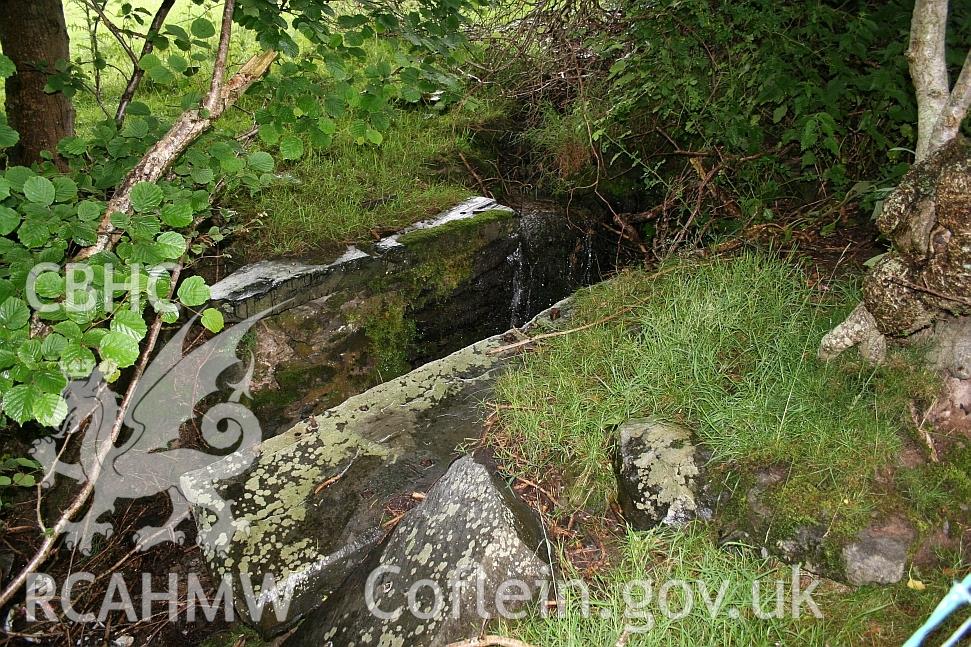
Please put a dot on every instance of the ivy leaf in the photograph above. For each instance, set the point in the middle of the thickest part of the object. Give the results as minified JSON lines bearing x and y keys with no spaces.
{"x":170,"y":245}
{"x":49,"y":409}
{"x":212,"y":319}
{"x":39,"y":190}
{"x":119,"y":347}
{"x":177,"y":214}
{"x":146,"y":196}
{"x":193,"y":291}
{"x":18,"y":402}
{"x":260,"y":161}
{"x":14,"y":314}
{"x":291,"y":148}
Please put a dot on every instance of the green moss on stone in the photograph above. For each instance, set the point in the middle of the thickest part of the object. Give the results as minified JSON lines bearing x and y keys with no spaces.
{"x":419,"y":236}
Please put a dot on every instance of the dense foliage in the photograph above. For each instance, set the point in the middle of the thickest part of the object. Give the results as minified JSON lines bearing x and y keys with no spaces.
{"x":790,"y":107}
{"x":62,"y":318}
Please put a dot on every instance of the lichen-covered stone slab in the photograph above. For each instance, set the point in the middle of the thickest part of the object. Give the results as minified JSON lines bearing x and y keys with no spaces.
{"x":658,"y":474}
{"x":435,"y":579}
{"x":313,"y":503}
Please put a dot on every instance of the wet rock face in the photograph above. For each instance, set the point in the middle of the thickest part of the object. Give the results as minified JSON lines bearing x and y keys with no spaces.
{"x":469,"y":552}
{"x":313,"y":504}
{"x":658,"y":474}
{"x":412,"y":297}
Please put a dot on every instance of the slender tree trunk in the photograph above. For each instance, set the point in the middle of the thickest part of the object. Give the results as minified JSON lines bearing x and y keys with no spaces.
{"x":34,"y":35}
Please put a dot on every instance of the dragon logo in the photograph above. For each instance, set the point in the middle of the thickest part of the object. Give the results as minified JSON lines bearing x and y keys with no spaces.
{"x":147,"y":458}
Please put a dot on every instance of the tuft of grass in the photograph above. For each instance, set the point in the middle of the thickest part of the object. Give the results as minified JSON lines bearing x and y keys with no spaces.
{"x":726,"y":347}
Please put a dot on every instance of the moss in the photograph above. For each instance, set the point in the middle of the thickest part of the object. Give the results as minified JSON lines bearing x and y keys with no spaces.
{"x":391,"y":334}
{"x":426,"y":234}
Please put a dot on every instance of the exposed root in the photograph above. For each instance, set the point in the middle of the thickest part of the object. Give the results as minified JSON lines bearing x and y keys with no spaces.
{"x":860,"y":328}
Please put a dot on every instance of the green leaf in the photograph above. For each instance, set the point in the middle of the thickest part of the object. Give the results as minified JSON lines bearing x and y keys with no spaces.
{"x":358,"y":131}
{"x":129,"y":322}
{"x":76,"y":361}
{"x":146,"y":196}
{"x":89,"y":210}
{"x":7,"y":67}
{"x":65,"y":189}
{"x":202,"y":28}
{"x":177,"y":214}
{"x":193,"y":291}
{"x":9,"y":220}
{"x":49,"y":285}
{"x":260,"y":161}
{"x":202,"y":175}
{"x":4,"y":188}
{"x":119,"y":347}
{"x":212,"y":319}
{"x":291,"y":148}
{"x":18,"y":402}
{"x":178,"y":63}
{"x":27,"y":480}
{"x":170,"y":245}
{"x":39,"y":190}
{"x":49,"y":409}
{"x":34,"y":232}
{"x":135,"y":128}
{"x":72,"y":146}
{"x":14,"y":314}
{"x":8,"y":136}
{"x":374,"y":136}
{"x":269,"y":134}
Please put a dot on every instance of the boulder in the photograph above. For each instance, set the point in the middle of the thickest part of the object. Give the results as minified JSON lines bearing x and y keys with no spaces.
{"x":470,"y":552}
{"x":658,"y":474}
{"x":315,"y":500}
{"x":879,"y":554}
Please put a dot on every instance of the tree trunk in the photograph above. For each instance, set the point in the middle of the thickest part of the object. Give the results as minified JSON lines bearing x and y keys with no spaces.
{"x":34,"y":35}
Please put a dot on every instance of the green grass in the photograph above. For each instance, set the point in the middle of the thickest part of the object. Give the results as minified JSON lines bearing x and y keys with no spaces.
{"x":691,"y":555}
{"x":349,"y":192}
{"x":727,"y":347}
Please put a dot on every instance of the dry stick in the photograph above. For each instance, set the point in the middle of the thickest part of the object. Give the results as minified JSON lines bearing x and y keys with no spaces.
{"x":47,"y":546}
{"x":558,"y":333}
{"x":490,"y":641}
{"x":114,"y":31}
{"x":138,"y":73}
{"x":187,"y":128}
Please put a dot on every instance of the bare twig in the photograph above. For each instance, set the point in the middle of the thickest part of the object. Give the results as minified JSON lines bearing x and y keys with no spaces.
{"x":138,"y":73}
{"x":117,"y":33}
{"x":558,"y":333}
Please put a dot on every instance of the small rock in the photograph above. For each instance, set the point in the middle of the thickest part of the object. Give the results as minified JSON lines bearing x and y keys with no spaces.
{"x":879,"y":555}
{"x":436,"y":578}
{"x":658,"y":474}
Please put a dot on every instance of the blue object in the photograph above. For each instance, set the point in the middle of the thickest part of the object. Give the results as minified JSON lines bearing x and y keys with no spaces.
{"x":959,"y":595}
